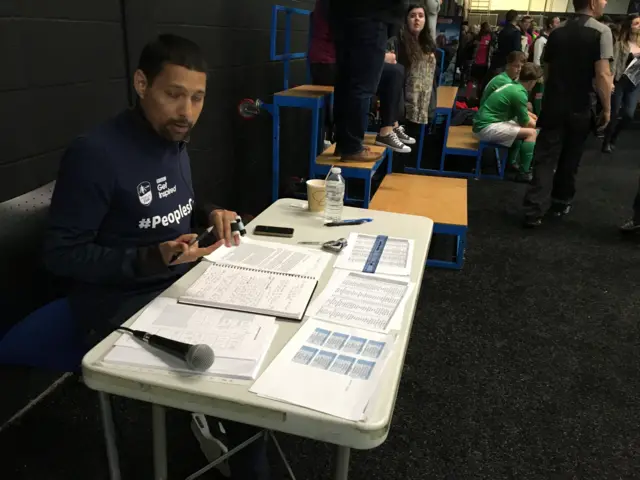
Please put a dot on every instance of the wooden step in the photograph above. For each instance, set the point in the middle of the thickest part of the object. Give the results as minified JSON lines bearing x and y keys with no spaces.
{"x":446,"y":97}
{"x":306,"y":91}
{"x":462,"y":138}
{"x":442,"y":199}
{"x":328,"y":157}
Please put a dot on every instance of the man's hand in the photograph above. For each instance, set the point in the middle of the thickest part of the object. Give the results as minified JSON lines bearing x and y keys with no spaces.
{"x":604,"y":119}
{"x":390,"y":57}
{"x":533,"y":116}
{"x":221,"y":220}
{"x":189,"y":253}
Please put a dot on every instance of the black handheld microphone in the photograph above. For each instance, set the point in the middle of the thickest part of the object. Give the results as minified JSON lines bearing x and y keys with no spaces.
{"x":197,"y":357}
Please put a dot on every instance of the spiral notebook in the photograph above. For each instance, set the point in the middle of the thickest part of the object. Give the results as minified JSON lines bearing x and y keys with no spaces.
{"x":268,"y":278}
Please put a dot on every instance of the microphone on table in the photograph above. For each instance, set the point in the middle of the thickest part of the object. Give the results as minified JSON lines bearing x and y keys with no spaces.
{"x":197,"y":357}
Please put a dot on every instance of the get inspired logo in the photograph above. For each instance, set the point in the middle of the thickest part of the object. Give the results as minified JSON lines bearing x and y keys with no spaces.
{"x":164,"y":190}
{"x":144,"y":193}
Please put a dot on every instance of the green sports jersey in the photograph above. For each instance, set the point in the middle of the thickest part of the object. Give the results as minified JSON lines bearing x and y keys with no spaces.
{"x":495,"y":83}
{"x":508,"y":102}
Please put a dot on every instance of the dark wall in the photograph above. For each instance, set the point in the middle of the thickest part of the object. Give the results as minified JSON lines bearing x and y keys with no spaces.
{"x":62,"y":71}
{"x":231,"y":157}
{"x":66,"y":67}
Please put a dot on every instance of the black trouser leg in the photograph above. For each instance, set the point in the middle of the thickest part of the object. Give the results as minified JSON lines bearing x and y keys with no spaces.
{"x":612,"y":130}
{"x":360,"y":49}
{"x":564,"y":181}
{"x":545,"y":159}
{"x":251,"y":462}
{"x":390,"y":92}
{"x":636,"y":206}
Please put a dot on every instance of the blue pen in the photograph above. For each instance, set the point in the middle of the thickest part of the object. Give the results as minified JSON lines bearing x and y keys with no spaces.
{"x":355,"y":221}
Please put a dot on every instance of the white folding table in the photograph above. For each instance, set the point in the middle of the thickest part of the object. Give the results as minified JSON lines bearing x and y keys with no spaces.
{"x":231,"y":400}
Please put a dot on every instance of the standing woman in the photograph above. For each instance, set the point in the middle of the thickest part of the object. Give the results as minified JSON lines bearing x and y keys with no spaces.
{"x":416,"y":51}
{"x":625,"y":96}
{"x":481,"y":55}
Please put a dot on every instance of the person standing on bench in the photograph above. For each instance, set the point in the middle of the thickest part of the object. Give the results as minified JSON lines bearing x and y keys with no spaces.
{"x":494,"y":121}
{"x":577,"y":52}
{"x":124,"y":205}
{"x":361,"y":29}
{"x":324,"y":72}
{"x":392,"y":135}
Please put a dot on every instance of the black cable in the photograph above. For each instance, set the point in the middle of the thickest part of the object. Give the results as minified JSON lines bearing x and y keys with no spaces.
{"x":125,"y":329}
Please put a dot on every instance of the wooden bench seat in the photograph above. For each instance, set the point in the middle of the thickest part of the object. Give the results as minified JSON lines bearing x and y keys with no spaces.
{"x":328,"y":157}
{"x":446,"y":97}
{"x":442,"y":199}
{"x":462,"y":138}
{"x":307,"y":91}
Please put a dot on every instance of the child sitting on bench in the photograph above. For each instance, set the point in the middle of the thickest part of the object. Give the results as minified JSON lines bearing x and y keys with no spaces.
{"x":494,"y":122}
{"x":515,"y":61}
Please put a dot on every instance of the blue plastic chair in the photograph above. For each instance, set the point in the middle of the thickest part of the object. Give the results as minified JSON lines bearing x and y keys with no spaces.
{"x":47,"y":338}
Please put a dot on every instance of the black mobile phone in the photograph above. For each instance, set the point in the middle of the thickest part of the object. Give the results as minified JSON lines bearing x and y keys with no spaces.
{"x":269,"y":231}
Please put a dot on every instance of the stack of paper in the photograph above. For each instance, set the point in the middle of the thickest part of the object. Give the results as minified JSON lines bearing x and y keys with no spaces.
{"x":396,"y":257}
{"x":335,"y":361}
{"x":362,"y":300}
{"x":239,"y":341}
{"x":329,"y":368}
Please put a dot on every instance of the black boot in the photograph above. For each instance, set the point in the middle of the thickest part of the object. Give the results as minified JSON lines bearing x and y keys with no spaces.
{"x":608,"y":146}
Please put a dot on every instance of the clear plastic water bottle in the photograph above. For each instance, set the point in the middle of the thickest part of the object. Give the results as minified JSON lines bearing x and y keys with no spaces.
{"x":335,"y":196}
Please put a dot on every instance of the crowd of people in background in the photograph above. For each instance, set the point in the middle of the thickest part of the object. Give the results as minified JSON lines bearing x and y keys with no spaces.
{"x":510,"y":72}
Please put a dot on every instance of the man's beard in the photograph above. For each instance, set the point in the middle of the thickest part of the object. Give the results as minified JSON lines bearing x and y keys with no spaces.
{"x":173,"y":135}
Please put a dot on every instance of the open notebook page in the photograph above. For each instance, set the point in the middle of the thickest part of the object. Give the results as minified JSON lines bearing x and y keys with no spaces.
{"x":273,"y":257}
{"x":251,"y":291}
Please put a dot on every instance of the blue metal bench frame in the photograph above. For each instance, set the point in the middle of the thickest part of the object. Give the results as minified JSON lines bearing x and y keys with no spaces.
{"x":366,"y":174}
{"x":460,"y":232}
{"x":501,"y":153}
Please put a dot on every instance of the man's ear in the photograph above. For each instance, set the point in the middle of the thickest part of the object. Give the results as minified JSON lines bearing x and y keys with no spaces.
{"x":140,"y":83}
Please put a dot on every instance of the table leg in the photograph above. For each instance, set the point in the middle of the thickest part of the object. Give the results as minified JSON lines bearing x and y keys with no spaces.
{"x":159,"y":429}
{"x":110,"y":436}
{"x":342,"y":463}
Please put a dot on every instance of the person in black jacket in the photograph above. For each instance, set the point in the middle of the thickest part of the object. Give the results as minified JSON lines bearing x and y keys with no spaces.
{"x":509,"y":40}
{"x":124,"y":205}
{"x":361,"y":30}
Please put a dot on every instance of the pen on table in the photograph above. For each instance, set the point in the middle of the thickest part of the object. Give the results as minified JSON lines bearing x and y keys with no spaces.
{"x":199,"y":238}
{"x":355,"y":221}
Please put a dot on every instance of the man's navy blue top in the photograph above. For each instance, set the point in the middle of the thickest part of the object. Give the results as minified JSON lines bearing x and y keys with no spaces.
{"x":121,"y":191}
{"x":509,"y":40}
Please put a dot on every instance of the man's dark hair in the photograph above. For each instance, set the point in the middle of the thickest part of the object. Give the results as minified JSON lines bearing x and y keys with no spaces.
{"x":170,"y":49}
{"x":548,"y":21}
{"x":530,"y":71}
{"x":511,"y":16}
{"x":516,"y":56}
{"x":525,"y":18}
{"x":580,"y":5}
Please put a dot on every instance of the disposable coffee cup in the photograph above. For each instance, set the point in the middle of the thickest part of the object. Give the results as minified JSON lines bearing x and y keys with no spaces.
{"x":316,"y":194}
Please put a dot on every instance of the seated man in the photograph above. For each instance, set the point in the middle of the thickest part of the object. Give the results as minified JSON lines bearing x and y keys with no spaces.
{"x":494,"y":121}
{"x":124,"y":205}
{"x":515,"y":61}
